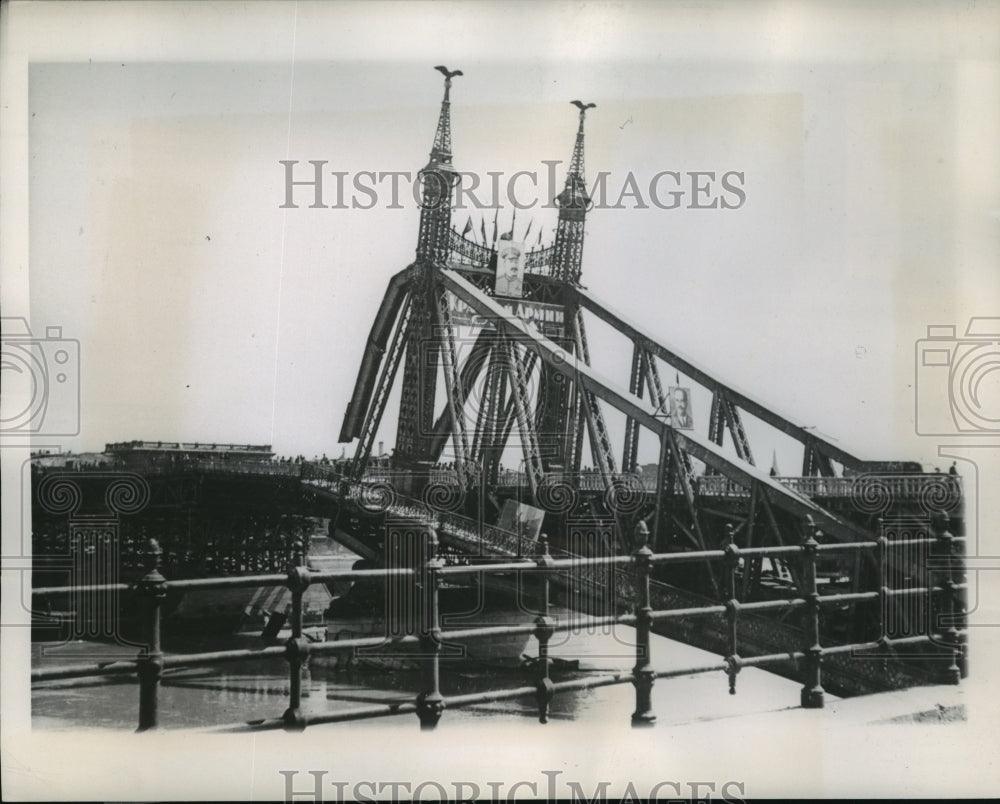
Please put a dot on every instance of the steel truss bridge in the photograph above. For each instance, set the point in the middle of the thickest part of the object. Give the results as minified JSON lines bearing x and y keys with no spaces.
{"x":490,"y":369}
{"x":513,"y":370}
{"x":484,"y":365}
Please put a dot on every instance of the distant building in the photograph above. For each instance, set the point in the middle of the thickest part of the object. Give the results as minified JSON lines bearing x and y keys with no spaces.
{"x":146,"y":453}
{"x":68,"y":460}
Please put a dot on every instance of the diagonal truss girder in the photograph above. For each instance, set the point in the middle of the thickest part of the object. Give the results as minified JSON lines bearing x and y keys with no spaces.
{"x":375,"y":350}
{"x":472,"y":366}
{"x":738,"y":399}
{"x":619,"y":398}
{"x":597,"y":430}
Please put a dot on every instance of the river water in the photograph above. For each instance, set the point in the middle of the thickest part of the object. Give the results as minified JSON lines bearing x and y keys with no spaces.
{"x":235,"y":693}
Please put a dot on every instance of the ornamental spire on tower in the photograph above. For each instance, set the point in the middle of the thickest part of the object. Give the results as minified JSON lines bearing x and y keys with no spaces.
{"x":441,"y":150}
{"x":576,"y":165}
{"x":574,"y":196}
{"x":573,"y":203}
{"x":438,"y":178}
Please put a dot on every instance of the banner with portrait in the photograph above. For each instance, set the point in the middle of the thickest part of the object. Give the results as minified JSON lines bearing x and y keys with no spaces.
{"x":510,"y":269}
{"x":679,"y":399}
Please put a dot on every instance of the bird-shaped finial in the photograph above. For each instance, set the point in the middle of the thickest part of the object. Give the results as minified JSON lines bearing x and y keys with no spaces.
{"x":448,"y":74}
{"x":583,"y":106}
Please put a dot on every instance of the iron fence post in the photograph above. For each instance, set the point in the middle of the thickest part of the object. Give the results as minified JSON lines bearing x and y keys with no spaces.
{"x":732,"y":607}
{"x":544,"y":628}
{"x":948,"y":608}
{"x":297,"y":646}
{"x":812,"y":692}
{"x":883,"y":577}
{"x":153,"y":589}
{"x":883,"y":594}
{"x":643,"y":674}
{"x":960,"y":598}
{"x":430,"y":702}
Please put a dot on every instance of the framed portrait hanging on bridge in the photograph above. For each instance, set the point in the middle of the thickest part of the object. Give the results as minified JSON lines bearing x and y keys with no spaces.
{"x":510,"y":269}
{"x":679,"y":399}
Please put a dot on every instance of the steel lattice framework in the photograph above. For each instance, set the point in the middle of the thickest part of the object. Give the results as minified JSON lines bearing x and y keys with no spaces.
{"x":508,"y":374}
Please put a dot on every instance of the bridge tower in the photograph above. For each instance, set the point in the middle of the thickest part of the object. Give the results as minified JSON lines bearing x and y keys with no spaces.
{"x":566,"y":410}
{"x":423,"y":348}
{"x":415,"y":326}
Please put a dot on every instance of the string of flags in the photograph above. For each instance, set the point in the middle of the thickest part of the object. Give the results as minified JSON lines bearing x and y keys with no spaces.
{"x":488,"y":236}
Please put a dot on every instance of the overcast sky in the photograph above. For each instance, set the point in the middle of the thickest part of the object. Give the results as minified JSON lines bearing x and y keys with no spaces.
{"x":206,"y":312}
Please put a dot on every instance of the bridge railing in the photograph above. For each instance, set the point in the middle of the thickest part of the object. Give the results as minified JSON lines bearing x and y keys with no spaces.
{"x":865,"y":487}
{"x":537,"y":261}
{"x":944,"y":591}
{"x":899,"y":486}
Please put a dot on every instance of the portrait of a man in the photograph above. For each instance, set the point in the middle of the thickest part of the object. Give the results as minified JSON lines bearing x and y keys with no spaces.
{"x":680,"y":408}
{"x":510,"y":269}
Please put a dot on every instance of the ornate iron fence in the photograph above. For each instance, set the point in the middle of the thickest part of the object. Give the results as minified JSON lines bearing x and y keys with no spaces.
{"x":944,"y":591}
